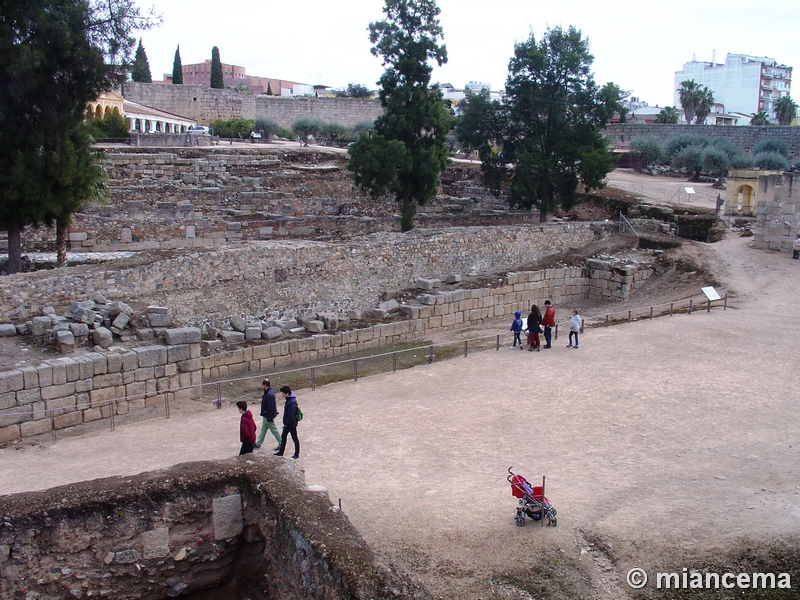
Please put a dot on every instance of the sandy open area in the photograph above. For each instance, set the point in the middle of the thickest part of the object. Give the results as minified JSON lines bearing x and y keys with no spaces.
{"x":661,"y":441}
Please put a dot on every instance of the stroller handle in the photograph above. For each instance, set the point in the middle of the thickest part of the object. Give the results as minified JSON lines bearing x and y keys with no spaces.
{"x":510,"y":474}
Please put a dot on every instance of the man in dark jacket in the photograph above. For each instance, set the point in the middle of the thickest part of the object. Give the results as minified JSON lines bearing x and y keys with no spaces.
{"x":268,"y":413}
{"x":289,"y":422}
{"x":247,"y":428}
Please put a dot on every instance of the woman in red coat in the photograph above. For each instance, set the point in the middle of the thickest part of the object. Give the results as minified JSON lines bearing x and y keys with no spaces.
{"x":549,"y":321}
{"x":247,"y":428}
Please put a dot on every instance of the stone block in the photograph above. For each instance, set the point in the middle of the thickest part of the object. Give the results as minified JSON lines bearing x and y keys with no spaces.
{"x":7,"y":330}
{"x":390,"y":306}
{"x":121,"y":321}
{"x":182,"y":335}
{"x":116,"y":308}
{"x":84,"y":315}
{"x":159,"y":319}
{"x":379,"y":313}
{"x":80,"y":331}
{"x":428,"y":284}
{"x":354,"y":314}
{"x":9,"y":434}
{"x":11,"y":381}
{"x":452,"y":278}
{"x":151,"y":356}
{"x":315,"y":326}
{"x":231,"y":337}
{"x":155,"y":543}
{"x":227,"y":517}
{"x":39,"y":326}
{"x":145,"y":334}
{"x":410,"y":311}
{"x":102,"y":337}
{"x":65,"y":342}
{"x":70,"y":419}
{"x":270,"y":333}
{"x":32,"y":428}
{"x":176,"y":353}
{"x":427,"y":299}
{"x":252,"y":332}
{"x":238,"y":323}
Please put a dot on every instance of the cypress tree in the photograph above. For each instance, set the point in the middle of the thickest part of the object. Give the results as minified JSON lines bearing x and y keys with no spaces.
{"x":141,"y":68}
{"x":269,"y":88}
{"x":216,"y":70}
{"x":177,"y":68}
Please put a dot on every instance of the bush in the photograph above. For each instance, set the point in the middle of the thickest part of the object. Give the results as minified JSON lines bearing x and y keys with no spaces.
{"x":265,"y":126}
{"x":678,"y":142}
{"x":113,"y":126}
{"x":334,"y":133}
{"x":771,"y":146}
{"x":232,"y":128}
{"x":649,"y":147}
{"x":286,"y":134}
{"x":715,"y":161}
{"x":363,"y":127}
{"x":691,"y":158}
{"x":773,"y":161}
{"x":741,"y":161}
{"x":306,"y":126}
{"x":726,"y":146}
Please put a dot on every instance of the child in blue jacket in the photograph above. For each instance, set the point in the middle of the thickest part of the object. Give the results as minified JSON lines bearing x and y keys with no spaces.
{"x":516,"y":327}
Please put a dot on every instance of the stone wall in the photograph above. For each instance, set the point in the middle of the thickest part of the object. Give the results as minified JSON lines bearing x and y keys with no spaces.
{"x":293,"y":276}
{"x":778,"y":216}
{"x":206,"y":105}
{"x":744,"y":138}
{"x":73,"y":391}
{"x":438,"y":312}
{"x":254,"y":526}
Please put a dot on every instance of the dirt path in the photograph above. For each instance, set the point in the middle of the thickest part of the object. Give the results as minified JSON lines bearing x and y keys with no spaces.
{"x":665,"y":190}
{"x":658,"y":438}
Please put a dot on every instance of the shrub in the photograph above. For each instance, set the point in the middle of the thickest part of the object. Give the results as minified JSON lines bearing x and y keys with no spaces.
{"x":363,"y":127}
{"x":691,"y":158}
{"x":334,"y":133}
{"x":285,"y":134}
{"x":769,"y":145}
{"x":112,"y":126}
{"x":649,"y":147}
{"x":727,"y":146}
{"x":678,"y":142}
{"x":306,"y":126}
{"x":741,"y":161}
{"x":715,"y":161}
{"x":773,"y":161}
{"x":232,"y":128}
{"x":266,"y":126}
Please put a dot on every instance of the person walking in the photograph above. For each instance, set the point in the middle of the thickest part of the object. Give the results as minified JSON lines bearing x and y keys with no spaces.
{"x":268,"y":413}
{"x":534,"y":320}
{"x":289,"y":422}
{"x":549,"y":321}
{"x":516,"y":328}
{"x":574,"y":328}
{"x":247,"y":428}
{"x":796,"y":247}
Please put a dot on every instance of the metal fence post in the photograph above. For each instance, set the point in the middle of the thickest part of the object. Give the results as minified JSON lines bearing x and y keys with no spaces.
{"x":629,"y":316}
{"x":606,"y":320}
{"x":355,"y":369}
{"x":670,"y":308}
{"x":498,"y":342}
{"x":465,"y":348}
{"x":555,"y":333}
{"x":709,"y":305}
{"x":313,"y":379}
{"x":651,"y":313}
{"x":725,"y":305}
{"x":394,"y":362}
{"x":690,"y":305}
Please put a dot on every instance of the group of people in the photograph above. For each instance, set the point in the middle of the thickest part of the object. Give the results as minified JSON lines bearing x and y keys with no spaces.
{"x":269,"y":410}
{"x":538,"y":323}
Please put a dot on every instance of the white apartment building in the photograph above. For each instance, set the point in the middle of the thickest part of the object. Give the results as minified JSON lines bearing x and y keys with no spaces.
{"x":742,"y":84}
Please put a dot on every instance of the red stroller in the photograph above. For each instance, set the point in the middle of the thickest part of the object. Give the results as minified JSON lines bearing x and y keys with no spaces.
{"x":532,"y":501}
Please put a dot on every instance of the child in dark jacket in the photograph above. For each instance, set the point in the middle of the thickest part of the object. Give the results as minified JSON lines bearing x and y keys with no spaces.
{"x":516,"y":327}
{"x":247,"y":428}
{"x":289,"y":422}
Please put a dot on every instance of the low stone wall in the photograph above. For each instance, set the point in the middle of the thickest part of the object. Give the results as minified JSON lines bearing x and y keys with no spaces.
{"x":293,"y":276}
{"x":436,"y":312}
{"x":192,"y":527}
{"x":71,"y":392}
{"x":778,"y":216}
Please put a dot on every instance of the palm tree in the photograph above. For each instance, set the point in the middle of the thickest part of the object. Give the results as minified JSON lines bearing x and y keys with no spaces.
{"x":761,"y":118}
{"x":688,"y":96}
{"x":703,"y":104}
{"x":668,"y":116}
{"x":785,"y":110}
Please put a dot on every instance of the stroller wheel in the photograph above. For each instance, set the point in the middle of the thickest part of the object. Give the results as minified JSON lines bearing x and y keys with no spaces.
{"x":553,"y":520}
{"x":520,"y":521}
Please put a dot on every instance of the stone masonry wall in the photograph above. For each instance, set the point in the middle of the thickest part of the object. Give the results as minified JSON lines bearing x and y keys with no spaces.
{"x":778,"y":218}
{"x":744,"y":138}
{"x":72,"y":391}
{"x":189,"y":528}
{"x":293,"y":276}
{"x":207,"y":105}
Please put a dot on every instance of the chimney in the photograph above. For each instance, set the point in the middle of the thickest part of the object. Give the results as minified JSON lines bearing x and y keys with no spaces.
{"x":714,"y":57}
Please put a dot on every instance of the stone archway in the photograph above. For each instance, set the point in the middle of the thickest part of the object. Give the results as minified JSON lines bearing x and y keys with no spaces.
{"x":745,"y":199}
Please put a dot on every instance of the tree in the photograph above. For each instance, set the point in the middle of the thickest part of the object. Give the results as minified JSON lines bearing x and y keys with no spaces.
{"x":612,"y":96}
{"x":269,"y":88}
{"x":704,"y":102}
{"x":715,"y":161}
{"x":546,"y":139}
{"x":668,"y":116}
{"x":771,"y":145}
{"x":217,"y":80}
{"x":690,"y":158}
{"x":760,"y":119}
{"x":354,"y":90}
{"x":177,"y":68}
{"x":687,"y":94}
{"x":305,"y":127}
{"x":771,"y":160}
{"x":785,"y":110}
{"x":140,"y":70}
{"x":333,"y":132}
{"x":407,"y":151}
{"x":55,"y":57}
{"x":650,"y":149}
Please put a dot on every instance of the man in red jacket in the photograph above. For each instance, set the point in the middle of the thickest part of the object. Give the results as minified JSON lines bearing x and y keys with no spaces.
{"x":247,"y":428}
{"x":548,"y":321}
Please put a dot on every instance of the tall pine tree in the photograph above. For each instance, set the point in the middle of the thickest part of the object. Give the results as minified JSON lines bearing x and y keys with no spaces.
{"x":216,"y":70}
{"x":141,"y":68}
{"x":177,"y":68}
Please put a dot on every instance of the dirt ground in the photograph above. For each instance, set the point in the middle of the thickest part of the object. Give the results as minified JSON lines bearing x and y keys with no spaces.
{"x":665,"y":443}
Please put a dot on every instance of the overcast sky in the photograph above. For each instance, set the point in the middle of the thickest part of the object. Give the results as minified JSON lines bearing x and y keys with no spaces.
{"x":637,"y":45}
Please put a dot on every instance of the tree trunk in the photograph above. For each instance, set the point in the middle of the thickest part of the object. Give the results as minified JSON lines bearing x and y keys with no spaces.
{"x":408,"y":212}
{"x":61,"y":244}
{"x":14,"y":248}
{"x":542,"y":216}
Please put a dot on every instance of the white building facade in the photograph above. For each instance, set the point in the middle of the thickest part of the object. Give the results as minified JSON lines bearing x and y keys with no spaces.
{"x":742,"y":84}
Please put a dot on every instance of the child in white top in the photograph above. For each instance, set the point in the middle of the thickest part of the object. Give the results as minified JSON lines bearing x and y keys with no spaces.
{"x":574,"y":328}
